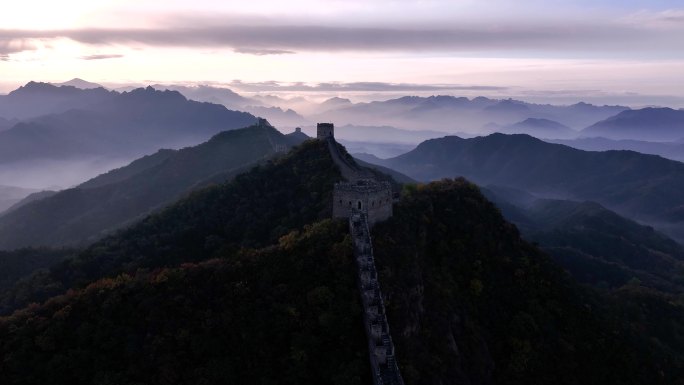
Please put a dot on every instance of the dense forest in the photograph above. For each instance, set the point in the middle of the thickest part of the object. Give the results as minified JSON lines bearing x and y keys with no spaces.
{"x":249,"y":282}
{"x":254,"y":210}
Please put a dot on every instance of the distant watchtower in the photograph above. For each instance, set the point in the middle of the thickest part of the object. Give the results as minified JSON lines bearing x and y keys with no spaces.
{"x":325,"y":131}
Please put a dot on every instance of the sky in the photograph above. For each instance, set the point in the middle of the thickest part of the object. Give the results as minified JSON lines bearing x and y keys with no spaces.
{"x":626,"y":52}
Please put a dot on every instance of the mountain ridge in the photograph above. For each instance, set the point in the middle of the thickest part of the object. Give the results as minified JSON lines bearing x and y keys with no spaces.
{"x":654,"y":124}
{"x":113,"y":199}
{"x":639,"y":186}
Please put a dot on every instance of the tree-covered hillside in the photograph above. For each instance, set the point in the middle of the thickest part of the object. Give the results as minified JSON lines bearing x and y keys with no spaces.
{"x":249,"y":282}
{"x":287,"y":314}
{"x":639,"y":186}
{"x":85,"y":213}
{"x":253,"y":210}
{"x":471,"y":303}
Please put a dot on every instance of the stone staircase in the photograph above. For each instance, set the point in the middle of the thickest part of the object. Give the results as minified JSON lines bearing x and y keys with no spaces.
{"x":380,"y":346}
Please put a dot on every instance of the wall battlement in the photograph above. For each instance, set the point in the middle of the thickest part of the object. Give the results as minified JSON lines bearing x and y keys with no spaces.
{"x":325,"y":130}
{"x":361,"y":192}
{"x":368,"y":196}
{"x":364,"y":201}
{"x":380,"y":346}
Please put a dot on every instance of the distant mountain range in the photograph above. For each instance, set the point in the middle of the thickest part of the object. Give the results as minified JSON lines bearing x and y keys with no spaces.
{"x":539,"y":128}
{"x":639,"y":186}
{"x":251,"y":282}
{"x":596,"y":245}
{"x":203,"y":93}
{"x":109,"y":201}
{"x":449,"y":113}
{"x":649,"y":124}
{"x":37,"y":99}
{"x":670,"y":150}
{"x":10,"y":195}
{"x":100,"y":123}
{"x":79,"y":83}
{"x":284,"y":118}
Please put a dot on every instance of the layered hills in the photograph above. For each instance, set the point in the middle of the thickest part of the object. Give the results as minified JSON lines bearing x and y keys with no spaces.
{"x":11,"y":195}
{"x":639,"y":186}
{"x":669,"y":150}
{"x":82,"y":214}
{"x":247,"y":281}
{"x":452,"y":114}
{"x":539,"y":128}
{"x":649,"y":124}
{"x":596,"y":245}
{"x":117,"y":125}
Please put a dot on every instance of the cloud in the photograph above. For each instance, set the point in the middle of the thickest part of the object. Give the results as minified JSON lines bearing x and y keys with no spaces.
{"x":665,"y":20}
{"x":273,"y":86}
{"x":10,"y":46}
{"x":101,"y":57}
{"x":262,"y":52}
{"x":598,"y":38}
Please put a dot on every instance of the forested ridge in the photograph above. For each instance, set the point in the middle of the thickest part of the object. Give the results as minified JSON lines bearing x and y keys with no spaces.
{"x":249,"y":282}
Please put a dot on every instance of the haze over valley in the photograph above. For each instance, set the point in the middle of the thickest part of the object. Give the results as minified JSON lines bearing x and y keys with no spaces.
{"x":348,"y":192}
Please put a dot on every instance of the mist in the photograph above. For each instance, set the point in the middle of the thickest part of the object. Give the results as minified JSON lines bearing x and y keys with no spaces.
{"x":51,"y":174}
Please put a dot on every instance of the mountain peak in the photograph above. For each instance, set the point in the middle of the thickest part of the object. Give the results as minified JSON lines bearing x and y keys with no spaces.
{"x":34,"y":86}
{"x":79,"y":83}
{"x":651,"y":124}
{"x":150,"y":92}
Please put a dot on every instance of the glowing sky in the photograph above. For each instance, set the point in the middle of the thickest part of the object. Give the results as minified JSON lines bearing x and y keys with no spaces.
{"x":622,"y":50}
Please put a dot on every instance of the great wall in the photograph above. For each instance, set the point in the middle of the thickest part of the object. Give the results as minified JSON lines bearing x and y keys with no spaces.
{"x":365,"y":201}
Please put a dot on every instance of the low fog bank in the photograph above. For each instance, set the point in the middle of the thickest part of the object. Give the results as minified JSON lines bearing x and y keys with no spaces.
{"x":50,"y":174}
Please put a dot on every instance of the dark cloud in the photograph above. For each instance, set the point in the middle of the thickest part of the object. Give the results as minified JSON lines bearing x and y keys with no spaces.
{"x":262,"y":52}
{"x":101,"y":57}
{"x":274,"y":86}
{"x":280,"y":39}
{"x":9,"y":46}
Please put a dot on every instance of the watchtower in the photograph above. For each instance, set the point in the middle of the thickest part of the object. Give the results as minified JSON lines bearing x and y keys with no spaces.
{"x":325,"y":130}
{"x":367,"y":196}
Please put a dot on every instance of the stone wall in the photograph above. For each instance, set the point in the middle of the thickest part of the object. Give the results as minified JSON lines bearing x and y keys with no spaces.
{"x":325,"y":130}
{"x":368,"y":196}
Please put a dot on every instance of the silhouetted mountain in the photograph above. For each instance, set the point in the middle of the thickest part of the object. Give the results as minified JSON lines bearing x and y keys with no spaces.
{"x":602,"y":248}
{"x":649,"y":124}
{"x":670,"y":150}
{"x":217,"y":95}
{"x":596,"y":245}
{"x":79,"y":83}
{"x":36,"y":99}
{"x":130,"y":170}
{"x":454,"y":114}
{"x":253,"y":210}
{"x":540,"y":128}
{"x":333,"y":103}
{"x":384,"y":134}
{"x":639,"y":186}
{"x":369,"y":158}
{"x":509,"y":109}
{"x":279,"y":117}
{"x":231,"y":284}
{"x":125,"y":125}
{"x":105,"y":203}
{"x":10,"y":195}
{"x":377,"y":149}
{"x":36,"y":196}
